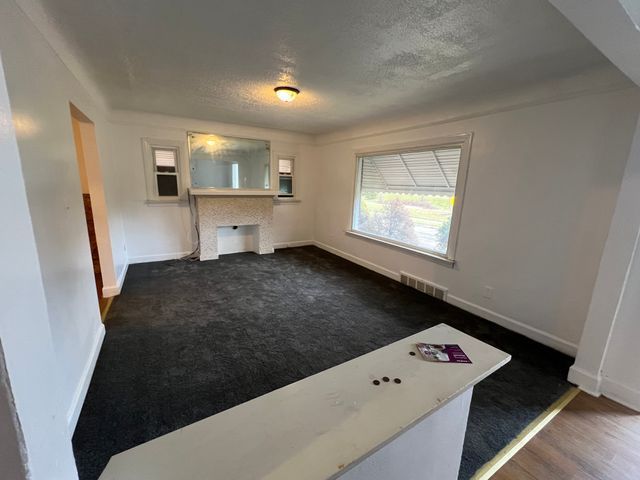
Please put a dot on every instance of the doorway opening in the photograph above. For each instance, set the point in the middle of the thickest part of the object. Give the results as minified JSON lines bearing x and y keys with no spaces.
{"x":87,"y":155}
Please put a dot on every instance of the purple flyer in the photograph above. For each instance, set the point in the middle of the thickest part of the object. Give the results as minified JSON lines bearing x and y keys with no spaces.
{"x":444,"y":353}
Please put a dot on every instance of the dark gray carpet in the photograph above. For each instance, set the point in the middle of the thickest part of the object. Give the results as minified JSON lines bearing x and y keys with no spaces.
{"x":188,"y":340}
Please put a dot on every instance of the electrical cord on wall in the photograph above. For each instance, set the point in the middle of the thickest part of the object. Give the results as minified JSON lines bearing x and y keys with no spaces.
{"x":195,"y":254}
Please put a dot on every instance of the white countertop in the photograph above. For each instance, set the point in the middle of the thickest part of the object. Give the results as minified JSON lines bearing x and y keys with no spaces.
{"x":314,"y":428}
{"x":231,"y":192}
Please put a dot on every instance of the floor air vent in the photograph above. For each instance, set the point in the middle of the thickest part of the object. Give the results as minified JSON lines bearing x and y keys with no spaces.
{"x":423,"y":286}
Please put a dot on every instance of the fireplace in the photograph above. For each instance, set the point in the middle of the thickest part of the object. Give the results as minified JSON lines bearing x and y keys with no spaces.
{"x":218,"y":215}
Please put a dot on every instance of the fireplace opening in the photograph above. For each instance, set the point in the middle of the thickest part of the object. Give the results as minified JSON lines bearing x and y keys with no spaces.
{"x":237,"y":238}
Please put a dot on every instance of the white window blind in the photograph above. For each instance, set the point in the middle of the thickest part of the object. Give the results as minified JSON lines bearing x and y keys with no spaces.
{"x":285,"y":165}
{"x":164,"y":159}
{"x":428,"y":171}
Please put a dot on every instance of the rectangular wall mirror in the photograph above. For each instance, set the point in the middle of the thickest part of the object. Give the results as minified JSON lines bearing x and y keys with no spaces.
{"x":217,"y":161}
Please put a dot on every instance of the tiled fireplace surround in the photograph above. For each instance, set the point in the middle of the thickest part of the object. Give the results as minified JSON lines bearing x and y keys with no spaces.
{"x":218,"y":211}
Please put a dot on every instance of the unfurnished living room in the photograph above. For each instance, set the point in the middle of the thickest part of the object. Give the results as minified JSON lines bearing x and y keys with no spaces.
{"x":306,"y":240}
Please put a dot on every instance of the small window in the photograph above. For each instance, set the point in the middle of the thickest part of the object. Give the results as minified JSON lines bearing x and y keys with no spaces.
{"x":165,"y":161}
{"x":285,"y":176}
{"x":412,"y":197}
{"x":162,"y":164}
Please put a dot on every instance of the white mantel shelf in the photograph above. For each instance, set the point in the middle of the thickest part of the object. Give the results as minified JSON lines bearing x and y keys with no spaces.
{"x":319,"y":427}
{"x":230,"y":192}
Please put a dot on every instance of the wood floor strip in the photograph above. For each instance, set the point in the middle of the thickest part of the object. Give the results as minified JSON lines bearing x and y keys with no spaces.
{"x":106,"y":308}
{"x":591,"y":439}
{"x":527,"y":434}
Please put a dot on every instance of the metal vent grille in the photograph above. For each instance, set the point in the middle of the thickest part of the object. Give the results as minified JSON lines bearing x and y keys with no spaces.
{"x":424,"y":286}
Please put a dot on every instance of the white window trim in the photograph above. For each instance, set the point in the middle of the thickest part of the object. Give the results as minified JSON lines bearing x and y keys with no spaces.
{"x":294,"y":184}
{"x":464,"y":142}
{"x":148,"y":144}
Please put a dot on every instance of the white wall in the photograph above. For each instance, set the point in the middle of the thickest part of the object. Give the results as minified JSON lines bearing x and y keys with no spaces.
{"x":620,"y":373}
{"x":161,"y":231}
{"x":605,"y":361}
{"x":34,"y":436}
{"x":542,"y":186}
{"x":40,"y":89}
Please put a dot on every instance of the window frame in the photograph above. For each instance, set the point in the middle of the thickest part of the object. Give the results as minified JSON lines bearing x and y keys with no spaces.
{"x":295,"y":198}
{"x":148,"y":147}
{"x":464,"y":142}
{"x":294,"y":192}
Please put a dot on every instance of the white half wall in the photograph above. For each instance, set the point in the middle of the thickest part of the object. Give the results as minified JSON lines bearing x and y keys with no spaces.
{"x":163,"y":231}
{"x":541,"y":189}
{"x":430,"y":449}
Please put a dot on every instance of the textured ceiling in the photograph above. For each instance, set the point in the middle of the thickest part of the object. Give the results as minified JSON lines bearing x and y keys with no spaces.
{"x":354,"y":60}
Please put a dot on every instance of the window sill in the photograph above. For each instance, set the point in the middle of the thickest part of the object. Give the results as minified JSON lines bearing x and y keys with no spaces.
{"x":447,"y":262}
{"x":284,"y":200}
{"x":165,"y":203}
{"x":232,"y":192}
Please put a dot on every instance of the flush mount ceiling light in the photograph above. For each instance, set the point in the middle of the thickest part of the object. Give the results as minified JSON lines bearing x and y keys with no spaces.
{"x":286,"y":94}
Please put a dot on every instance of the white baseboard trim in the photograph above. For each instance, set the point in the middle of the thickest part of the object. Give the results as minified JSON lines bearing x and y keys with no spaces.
{"x":157,"y":258}
{"x":173,"y":256}
{"x":528,"y":331}
{"x":81,"y":390}
{"x":586,"y":381}
{"x":620,"y":393}
{"x":514,"y":325}
{"x":113,"y":290}
{"x":297,"y":243}
{"x":359,"y":261}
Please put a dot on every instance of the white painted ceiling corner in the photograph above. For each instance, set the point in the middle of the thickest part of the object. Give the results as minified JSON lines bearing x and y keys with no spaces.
{"x":611,"y":26}
{"x":35,"y":12}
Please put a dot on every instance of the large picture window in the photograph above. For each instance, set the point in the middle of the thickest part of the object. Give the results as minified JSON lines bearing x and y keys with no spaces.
{"x":412,"y":197}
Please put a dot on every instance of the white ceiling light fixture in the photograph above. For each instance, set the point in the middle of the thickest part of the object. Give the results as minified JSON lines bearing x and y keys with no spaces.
{"x":286,"y":94}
